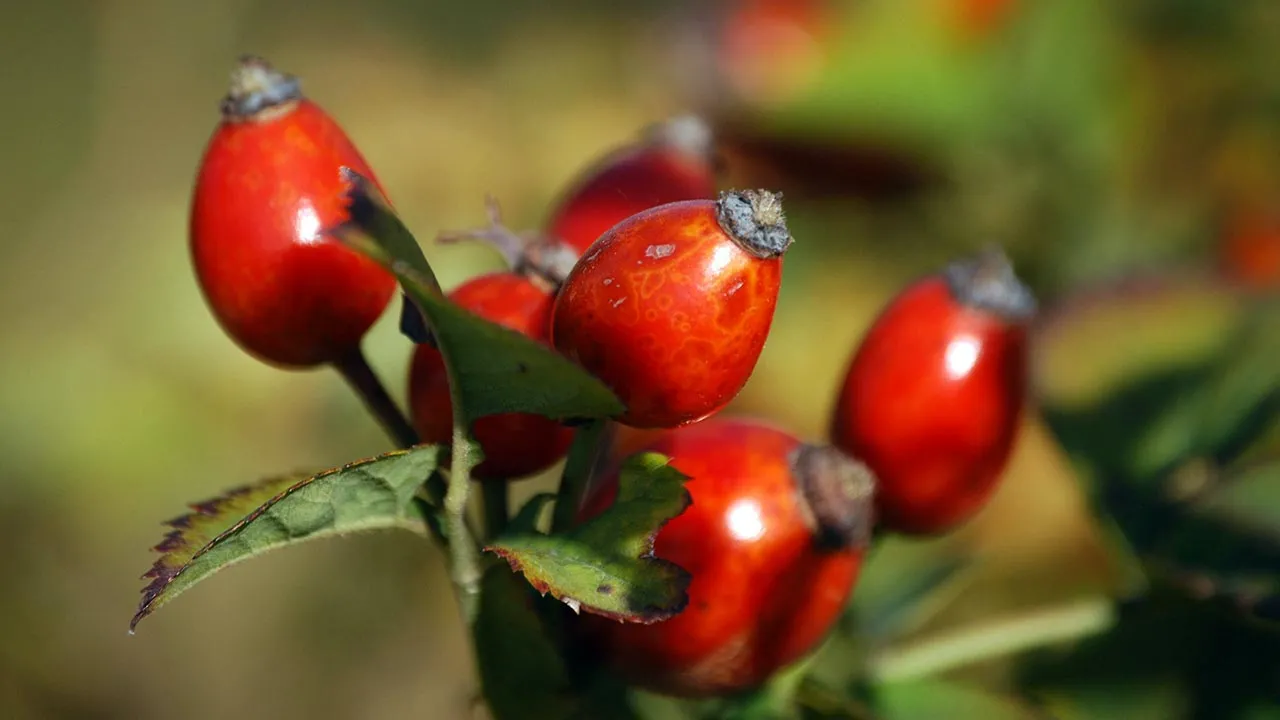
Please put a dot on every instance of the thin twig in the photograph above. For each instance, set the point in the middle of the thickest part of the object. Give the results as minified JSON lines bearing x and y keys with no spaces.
{"x":354,"y":368}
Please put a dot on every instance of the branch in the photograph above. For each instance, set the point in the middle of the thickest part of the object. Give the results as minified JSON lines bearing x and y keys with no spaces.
{"x":355,"y":369}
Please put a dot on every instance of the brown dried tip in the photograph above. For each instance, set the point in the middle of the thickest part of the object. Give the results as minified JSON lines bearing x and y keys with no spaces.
{"x":838,"y":492}
{"x":257,"y":87}
{"x":987,"y":282}
{"x":686,"y":133}
{"x":755,"y":219}
{"x":533,"y":254}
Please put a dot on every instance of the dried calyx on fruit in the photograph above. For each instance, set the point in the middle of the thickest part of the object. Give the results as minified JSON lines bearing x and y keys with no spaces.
{"x":530,"y":253}
{"x":987,"y":282}
{"x":257,"y":86}
{"x":836,"y":493}
{"x":670,"y":161}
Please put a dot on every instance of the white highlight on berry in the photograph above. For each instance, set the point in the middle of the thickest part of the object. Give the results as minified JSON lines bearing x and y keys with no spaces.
{"x":961,"y":355}
{"x":745,"y":520}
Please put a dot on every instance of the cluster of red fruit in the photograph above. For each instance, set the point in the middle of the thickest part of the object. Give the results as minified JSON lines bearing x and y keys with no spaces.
{"x":669,"y":304}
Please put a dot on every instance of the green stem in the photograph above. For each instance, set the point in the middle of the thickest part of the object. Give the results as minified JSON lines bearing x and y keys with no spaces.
{"x":464,"y":556}
{"x":497,"y":506}
{"x":992,"y":639}
{"x":354,"y":368}
{"x":590,"y":447}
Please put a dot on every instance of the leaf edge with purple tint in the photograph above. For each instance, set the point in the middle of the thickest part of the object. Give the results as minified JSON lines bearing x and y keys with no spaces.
{"x":371,"y":494}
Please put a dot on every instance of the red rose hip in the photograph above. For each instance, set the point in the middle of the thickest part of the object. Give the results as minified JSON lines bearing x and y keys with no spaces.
{"x":515,"y":444}
{"x":933,"y":396}
{"x":267,"y":187}
{"x":774,"y":541}
{"x":671,"y":307}
{"x":673,"y":161}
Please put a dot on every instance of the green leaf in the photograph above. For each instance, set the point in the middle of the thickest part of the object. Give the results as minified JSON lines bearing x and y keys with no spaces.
{"x":372,"y":494}
{"x":1159,"y":444}
{"x":496,"y":370}
{"x":606,"y":565}
{"x":1168,"y":658}
{"x":934,"y":699}
{"x":1241,"y":402}
{"x":522,"y":674}
{"x":1118,"y":370}
{"x":1249,"y":499}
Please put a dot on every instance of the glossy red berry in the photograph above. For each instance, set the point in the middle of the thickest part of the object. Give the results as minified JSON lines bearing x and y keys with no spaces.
{"x":774,"y":541}
{"x":267,"y":187}
{"x":673,"y":161}
{"x":672,"y":306}
{"x":515,"y":445}
{"x":933,"y":396}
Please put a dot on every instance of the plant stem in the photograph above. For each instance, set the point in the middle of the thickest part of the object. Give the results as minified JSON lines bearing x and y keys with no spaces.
{"x":590,"y":447}
{"x":992,"y":639}
{"x":497,"y":506}
{"x":464,"y":556}
{"x":355,"y":369}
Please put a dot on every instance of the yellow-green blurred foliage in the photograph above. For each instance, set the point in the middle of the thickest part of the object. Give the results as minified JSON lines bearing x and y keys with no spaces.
{"x":120,"y":399}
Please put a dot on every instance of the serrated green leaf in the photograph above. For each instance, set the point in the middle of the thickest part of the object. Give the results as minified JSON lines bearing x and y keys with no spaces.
{"x":606,"y":565}
{"x":934,"y":699}
{"x":522,"y":674}
{"x":372,"y":494}
{"x":497,"y":370}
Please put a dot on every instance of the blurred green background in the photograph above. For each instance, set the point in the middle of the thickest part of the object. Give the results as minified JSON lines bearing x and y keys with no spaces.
{"x":1096,"y":140}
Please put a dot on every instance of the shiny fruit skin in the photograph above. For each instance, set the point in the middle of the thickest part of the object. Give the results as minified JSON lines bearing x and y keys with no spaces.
{"x":265,"y":190}
{"x":764,"y":592}
{"x":670,"y":311}
{"x":932,"y":402}
{"x":515,"y":445}
{"x":630,"y":180}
